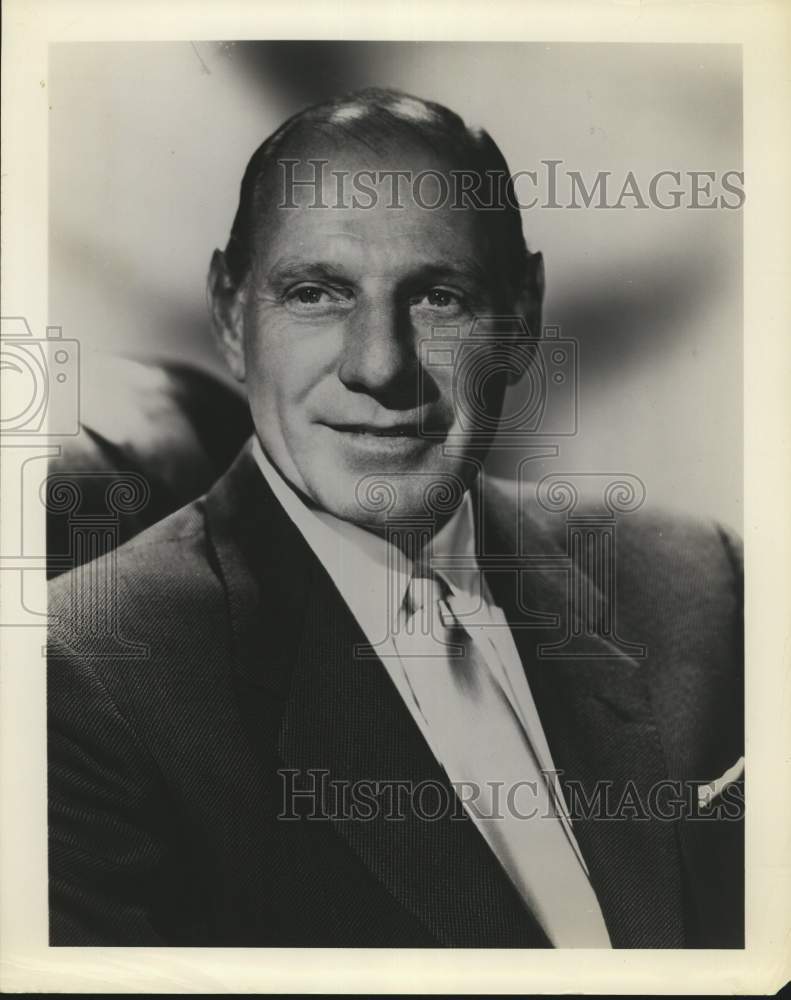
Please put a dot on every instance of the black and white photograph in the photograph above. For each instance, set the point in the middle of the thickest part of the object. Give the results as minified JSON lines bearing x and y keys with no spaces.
{"x":386,"y":428}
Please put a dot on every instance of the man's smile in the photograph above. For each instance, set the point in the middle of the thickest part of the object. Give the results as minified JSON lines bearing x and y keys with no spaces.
{"x":374,"y":438}
{"x":374,"y":430}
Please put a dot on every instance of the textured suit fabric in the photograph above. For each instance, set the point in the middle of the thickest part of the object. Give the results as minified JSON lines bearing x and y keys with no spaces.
{"x":235,"y":668}
{"x":177,"y":426}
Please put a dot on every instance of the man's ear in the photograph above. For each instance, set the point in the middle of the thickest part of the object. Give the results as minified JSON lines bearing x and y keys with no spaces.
{"x":531,"y":296}
{"x":530,"y":300}
{"x":226,"y":304}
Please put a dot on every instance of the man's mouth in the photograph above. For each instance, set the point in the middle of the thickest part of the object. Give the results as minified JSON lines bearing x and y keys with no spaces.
{"x":370,"y":430}
{"x":405,"y":438}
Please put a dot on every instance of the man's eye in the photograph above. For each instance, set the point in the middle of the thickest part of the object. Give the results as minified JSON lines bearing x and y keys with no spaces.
{"x":310,"y":295}
{"x":440,"y":298}
{"x":318,"y":300}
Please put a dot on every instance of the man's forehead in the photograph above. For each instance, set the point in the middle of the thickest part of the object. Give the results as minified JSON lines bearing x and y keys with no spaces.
{"x":364,"y":198}
{"x":347,"y":175}
{"x":381,"y":238}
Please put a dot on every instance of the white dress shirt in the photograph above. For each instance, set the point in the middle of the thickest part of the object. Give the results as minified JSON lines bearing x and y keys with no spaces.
{"x":534,"y":841}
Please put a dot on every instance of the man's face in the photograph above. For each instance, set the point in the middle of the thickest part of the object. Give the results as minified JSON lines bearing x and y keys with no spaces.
{"x":332,"y":317}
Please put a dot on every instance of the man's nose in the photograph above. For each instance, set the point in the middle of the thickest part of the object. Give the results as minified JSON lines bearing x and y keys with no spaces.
{"x":379,"y":355}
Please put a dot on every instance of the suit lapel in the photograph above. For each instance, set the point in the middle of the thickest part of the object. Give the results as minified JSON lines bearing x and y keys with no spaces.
{"x":598,"y":720}
{"x":345,"y":715}
{"x":333,"y":712}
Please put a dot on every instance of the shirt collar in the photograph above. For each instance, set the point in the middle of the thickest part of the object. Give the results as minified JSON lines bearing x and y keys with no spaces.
{"x":371,"y":574}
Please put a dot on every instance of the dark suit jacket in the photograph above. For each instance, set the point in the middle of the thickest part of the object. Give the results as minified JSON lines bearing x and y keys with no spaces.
{"x":213,"y":651}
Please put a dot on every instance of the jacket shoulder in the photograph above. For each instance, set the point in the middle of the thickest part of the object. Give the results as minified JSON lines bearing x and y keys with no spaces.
{"x":159,"y":578}
{"x":661,"y":537}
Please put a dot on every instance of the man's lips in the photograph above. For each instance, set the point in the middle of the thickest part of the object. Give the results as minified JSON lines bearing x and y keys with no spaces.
{"x":394,"y":430}
{"x":409,"y":429}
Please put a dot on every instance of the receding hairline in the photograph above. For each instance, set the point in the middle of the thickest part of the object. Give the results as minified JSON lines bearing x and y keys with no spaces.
{"x":379,"y":123}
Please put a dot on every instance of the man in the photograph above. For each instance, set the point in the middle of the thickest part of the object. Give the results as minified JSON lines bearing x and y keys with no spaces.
{"x":355,"y":718}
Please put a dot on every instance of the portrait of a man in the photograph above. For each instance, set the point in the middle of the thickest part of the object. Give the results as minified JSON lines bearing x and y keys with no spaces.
{"x":371,"y":692}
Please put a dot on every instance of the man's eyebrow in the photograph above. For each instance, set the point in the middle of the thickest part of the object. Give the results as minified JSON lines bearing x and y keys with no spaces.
{"x":290,"y":269}
{"x":463,"y":267}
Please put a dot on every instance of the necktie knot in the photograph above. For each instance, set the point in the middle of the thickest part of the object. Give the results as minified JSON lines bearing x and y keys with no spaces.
{"x":424,"y":591}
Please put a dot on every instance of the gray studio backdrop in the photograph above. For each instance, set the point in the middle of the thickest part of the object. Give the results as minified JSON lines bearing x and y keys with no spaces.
{"x":148,"y":143}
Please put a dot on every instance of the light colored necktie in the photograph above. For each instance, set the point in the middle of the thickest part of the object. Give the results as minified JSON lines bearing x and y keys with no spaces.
{"x":456,"y":680}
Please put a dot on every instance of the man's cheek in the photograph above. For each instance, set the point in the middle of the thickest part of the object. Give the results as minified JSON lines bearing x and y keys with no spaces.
{"x":444,"y":381}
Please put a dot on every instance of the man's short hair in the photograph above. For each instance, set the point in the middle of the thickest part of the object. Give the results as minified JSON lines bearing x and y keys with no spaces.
{"x":382,"y":118}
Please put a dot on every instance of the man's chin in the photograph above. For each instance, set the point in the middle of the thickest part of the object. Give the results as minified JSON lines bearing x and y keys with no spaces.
{"x":374,"y":500}
{"x":371,"y":481}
